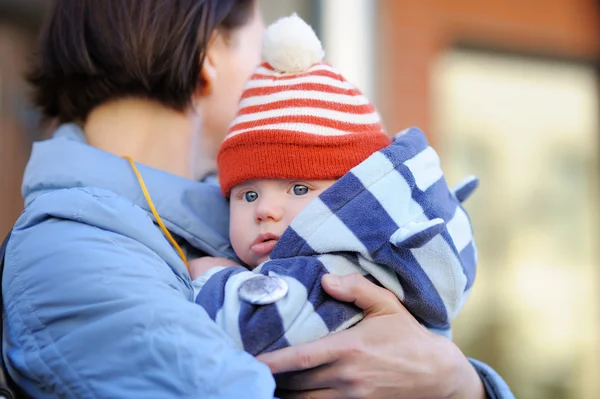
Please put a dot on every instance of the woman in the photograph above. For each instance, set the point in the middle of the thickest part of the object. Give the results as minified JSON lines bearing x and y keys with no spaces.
{"x":98,"y":299}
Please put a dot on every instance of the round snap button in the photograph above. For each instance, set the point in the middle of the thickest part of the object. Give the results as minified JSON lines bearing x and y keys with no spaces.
{"x":263,"y":290}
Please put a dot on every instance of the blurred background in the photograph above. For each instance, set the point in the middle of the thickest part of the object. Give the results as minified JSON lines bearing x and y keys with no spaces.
{"x":505,"y":89}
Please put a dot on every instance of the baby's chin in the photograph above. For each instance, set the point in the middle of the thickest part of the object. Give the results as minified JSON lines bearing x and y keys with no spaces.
{"x":252,"y":262}
{"x":260,"y":261}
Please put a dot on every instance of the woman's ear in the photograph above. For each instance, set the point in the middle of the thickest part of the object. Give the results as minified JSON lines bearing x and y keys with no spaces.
{"x":208,"y":69}
{"x":208,"y":74}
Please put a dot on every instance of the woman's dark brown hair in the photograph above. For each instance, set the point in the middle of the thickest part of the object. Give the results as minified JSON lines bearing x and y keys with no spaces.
{"x":93,"y":51}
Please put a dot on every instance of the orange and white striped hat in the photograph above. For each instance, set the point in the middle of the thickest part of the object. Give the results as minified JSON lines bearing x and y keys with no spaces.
{"x":298,"y":117}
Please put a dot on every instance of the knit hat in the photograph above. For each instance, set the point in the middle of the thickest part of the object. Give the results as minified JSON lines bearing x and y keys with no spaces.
{"x":298,"y":117}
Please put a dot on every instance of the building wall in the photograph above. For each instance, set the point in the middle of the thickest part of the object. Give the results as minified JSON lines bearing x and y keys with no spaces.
{"x":413,"y":33}
{"x":15,"y":140}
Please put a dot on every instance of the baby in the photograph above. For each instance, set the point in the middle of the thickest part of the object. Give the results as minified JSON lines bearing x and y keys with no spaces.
{"x":316,"y":186}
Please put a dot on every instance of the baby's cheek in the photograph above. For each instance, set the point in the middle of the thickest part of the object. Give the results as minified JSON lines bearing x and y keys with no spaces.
{"x":236,"y":244}
{"x":234,"y":228}
{"x":297,"y":207}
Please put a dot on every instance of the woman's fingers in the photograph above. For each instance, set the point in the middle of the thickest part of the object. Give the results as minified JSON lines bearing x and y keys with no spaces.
{"x":302,"y":357}
{"x":355,"y":288}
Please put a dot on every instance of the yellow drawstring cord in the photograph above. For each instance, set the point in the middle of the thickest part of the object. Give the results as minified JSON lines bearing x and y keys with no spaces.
{"x":155,"y":213}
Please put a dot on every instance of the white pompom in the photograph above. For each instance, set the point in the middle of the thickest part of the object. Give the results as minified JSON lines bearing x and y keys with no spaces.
{"x":290,"y":45}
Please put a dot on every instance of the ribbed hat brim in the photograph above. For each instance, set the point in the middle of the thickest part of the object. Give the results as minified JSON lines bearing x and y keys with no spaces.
{"x":281,"y":154}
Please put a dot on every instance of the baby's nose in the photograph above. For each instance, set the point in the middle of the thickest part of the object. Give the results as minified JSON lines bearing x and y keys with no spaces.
{"x":268,"y":210}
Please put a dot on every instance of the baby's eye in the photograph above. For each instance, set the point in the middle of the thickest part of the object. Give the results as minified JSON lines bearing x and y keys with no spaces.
{"x":250,"y":196}
{"x":300,"y":189}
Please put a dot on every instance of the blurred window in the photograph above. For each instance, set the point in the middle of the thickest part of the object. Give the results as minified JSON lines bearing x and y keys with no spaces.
{"x":528,"y":127}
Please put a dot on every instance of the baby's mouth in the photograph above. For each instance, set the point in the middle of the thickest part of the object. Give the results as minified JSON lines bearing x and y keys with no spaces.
{"x":264,"y":244}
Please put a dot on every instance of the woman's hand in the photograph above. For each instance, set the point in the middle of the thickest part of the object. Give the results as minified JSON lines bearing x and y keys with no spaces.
{"x":388,"y":355}
{"x":199,"y":266}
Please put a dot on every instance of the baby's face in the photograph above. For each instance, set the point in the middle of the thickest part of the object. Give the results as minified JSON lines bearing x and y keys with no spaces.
{"x":261,"y":210}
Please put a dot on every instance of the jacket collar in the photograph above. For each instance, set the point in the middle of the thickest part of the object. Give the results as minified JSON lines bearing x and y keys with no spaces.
{"x":194,"y":211}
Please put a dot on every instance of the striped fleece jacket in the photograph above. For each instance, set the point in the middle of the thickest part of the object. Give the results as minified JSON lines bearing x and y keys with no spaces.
{"x":392,"y":218}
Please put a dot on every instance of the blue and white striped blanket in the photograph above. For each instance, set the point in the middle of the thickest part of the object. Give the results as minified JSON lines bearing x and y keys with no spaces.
{"x":392,"y":218}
